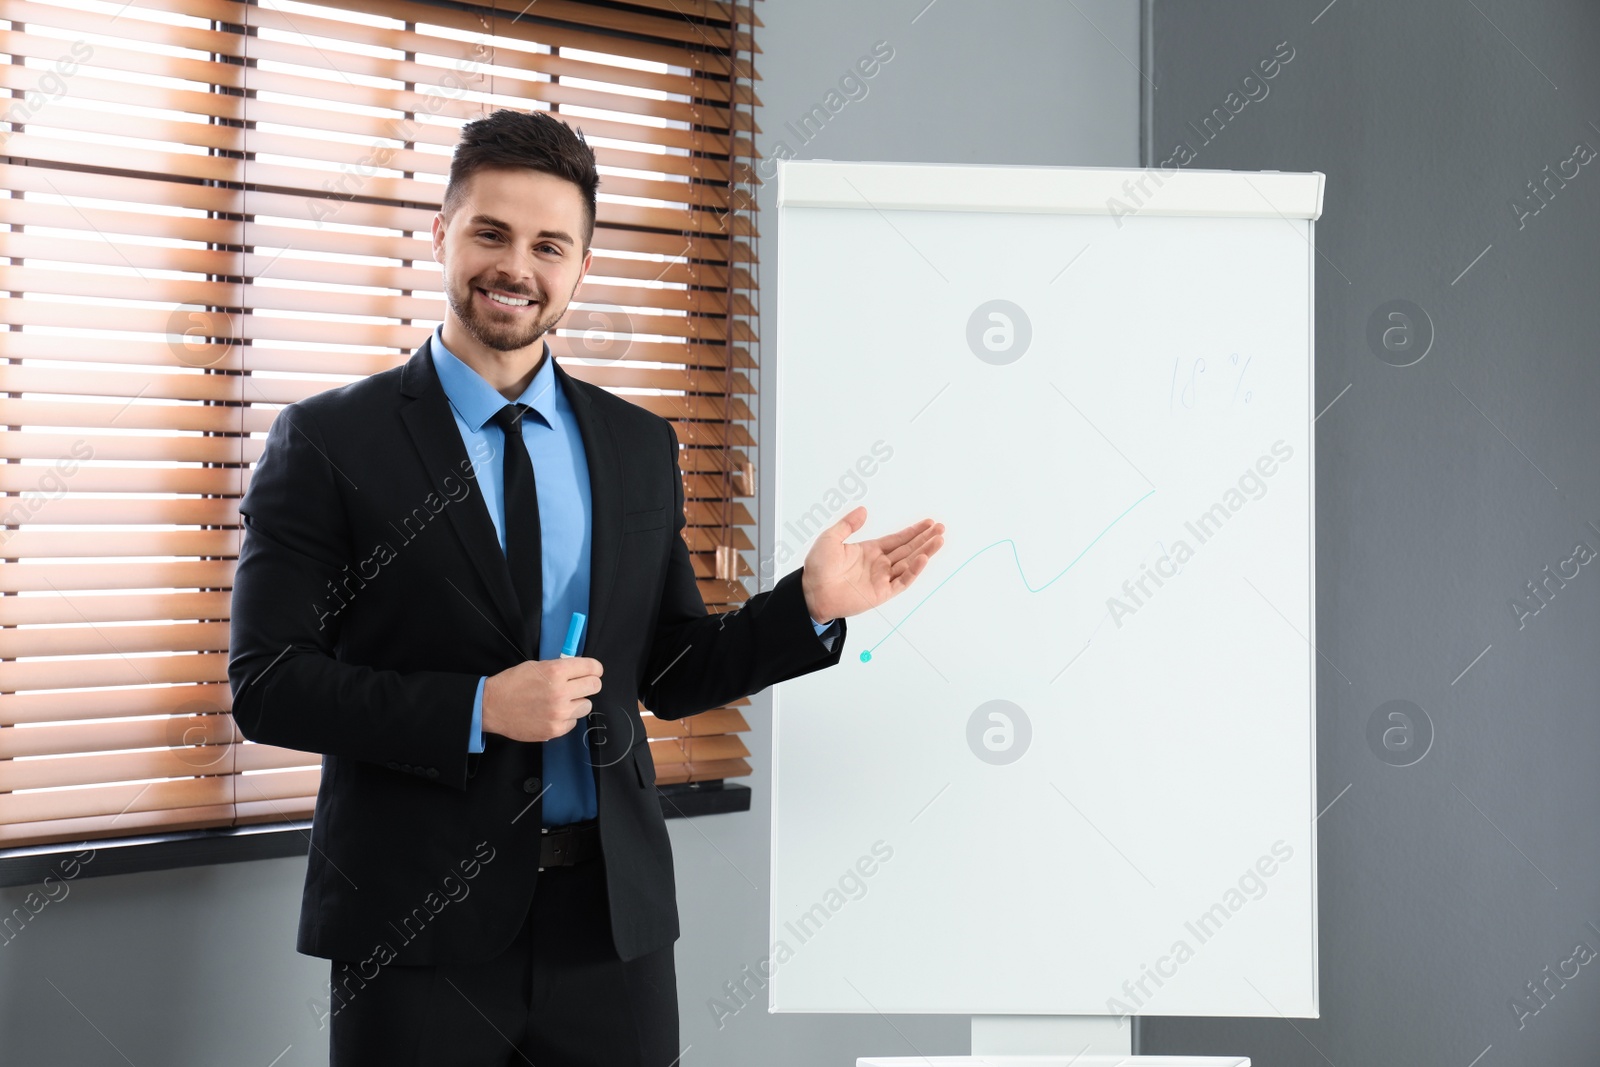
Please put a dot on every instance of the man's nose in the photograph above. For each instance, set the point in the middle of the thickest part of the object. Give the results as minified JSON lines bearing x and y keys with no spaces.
{"x":517,"y":269}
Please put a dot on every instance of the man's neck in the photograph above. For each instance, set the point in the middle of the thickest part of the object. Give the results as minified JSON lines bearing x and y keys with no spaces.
{"x":509,"y":372}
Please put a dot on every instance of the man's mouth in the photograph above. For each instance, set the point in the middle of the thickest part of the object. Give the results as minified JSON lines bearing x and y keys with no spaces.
{"x":506,"y":301}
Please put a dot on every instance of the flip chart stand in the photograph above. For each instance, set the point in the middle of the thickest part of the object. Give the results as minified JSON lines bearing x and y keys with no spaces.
{"x":1035,"y":1035}
{"x":1051,"y":1041}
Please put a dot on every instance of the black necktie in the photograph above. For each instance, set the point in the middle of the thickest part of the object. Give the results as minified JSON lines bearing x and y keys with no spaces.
{"x":521,"y":499}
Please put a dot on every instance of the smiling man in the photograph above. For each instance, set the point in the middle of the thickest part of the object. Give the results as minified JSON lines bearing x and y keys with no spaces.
{"x":490,"y":873}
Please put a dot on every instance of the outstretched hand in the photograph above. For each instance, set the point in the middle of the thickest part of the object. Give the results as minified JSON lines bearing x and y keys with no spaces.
{"x":840,"y":580}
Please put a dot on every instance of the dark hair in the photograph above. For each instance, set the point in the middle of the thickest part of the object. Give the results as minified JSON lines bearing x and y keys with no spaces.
{"x":536,"y":140}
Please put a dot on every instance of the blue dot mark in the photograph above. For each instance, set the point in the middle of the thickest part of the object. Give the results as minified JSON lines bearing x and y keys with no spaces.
{"x":866,"y":655}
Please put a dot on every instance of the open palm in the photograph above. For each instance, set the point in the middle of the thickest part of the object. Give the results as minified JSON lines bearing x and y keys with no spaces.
{"x":840,"y":580}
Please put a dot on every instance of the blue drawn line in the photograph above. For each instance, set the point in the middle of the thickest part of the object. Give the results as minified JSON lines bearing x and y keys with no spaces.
{"x":866,"y":654}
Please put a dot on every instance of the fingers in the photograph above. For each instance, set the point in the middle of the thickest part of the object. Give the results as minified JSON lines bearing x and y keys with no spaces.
{"x":907,"y":569}
{"x":576,"y":667}
{"x":906,"y":540}
{"x":909,"y":574}
{"x":563,"y":727}
{"x":582,"y":684}
{"x":929,"y":530}
{"x":849,"y":522}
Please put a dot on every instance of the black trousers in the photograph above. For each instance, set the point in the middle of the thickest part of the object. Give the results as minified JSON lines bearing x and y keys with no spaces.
{"x":557,"y":997}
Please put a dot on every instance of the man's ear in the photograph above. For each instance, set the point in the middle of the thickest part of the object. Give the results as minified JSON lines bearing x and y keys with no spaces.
{"x":438,"y":238}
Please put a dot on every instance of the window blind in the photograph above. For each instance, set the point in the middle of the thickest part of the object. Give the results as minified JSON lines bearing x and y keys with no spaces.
{"x":214,"y":209}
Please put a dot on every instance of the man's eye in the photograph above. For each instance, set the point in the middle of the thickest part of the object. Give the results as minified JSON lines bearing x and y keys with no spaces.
{"x":488,"y":233}
{"x":552,"y":248}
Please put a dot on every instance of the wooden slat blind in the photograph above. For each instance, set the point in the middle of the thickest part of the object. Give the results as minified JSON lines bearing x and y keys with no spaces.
{"x":213,"y":209}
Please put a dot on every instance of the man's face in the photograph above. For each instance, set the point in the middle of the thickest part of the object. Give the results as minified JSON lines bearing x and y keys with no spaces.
{"x":517,"y":233}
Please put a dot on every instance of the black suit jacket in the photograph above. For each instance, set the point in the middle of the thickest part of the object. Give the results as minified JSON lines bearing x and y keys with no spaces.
{"x":372,"y":593}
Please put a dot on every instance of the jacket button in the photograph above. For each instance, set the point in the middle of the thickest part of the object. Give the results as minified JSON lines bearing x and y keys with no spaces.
{"x":531,"y":785}
{"x":433,"y":772}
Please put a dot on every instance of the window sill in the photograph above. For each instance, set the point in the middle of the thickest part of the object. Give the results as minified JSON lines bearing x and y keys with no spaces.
{"x":689,"y":799}
{"x":197,"y":848}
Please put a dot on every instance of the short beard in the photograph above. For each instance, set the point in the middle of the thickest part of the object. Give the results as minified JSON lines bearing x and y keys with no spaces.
{"x":509,"y":337}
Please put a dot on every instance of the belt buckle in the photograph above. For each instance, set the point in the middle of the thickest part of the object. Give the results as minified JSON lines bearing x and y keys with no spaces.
{"x":565,"y":845}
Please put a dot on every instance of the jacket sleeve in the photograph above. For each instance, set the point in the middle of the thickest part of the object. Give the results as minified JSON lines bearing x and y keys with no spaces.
{"x":289,"y":686}
{"x":700,"y":661}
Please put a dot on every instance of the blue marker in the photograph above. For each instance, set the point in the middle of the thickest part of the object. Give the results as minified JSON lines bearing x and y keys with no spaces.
{"x":574,"y":635}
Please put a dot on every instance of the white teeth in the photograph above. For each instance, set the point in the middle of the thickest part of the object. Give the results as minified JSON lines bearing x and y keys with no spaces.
{"x":511,"y":301}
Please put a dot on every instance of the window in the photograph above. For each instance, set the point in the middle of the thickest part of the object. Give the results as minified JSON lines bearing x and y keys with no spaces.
{"x":217,"y":208}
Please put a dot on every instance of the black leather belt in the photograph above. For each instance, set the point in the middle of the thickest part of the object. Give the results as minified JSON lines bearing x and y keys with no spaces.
{"x":563,"y":846}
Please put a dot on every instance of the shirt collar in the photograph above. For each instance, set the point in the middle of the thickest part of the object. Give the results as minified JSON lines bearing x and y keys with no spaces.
{"x":476,"y":401}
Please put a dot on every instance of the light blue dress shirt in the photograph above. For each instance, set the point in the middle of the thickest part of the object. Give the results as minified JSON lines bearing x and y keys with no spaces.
{"x":555,"y":447}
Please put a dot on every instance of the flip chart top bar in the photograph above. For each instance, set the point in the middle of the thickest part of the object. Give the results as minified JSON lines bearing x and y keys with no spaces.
{"x":1064,"y":190}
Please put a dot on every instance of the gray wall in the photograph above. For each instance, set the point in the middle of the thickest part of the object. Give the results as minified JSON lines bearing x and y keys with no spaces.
{"x":1444,"y":487}
{"x":197,"y":966}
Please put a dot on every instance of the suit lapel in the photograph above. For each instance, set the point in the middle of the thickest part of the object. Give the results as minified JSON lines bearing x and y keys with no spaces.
{"x":605,"y":535}
{"x":433,"y":430}
{"x":605,"y":499}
